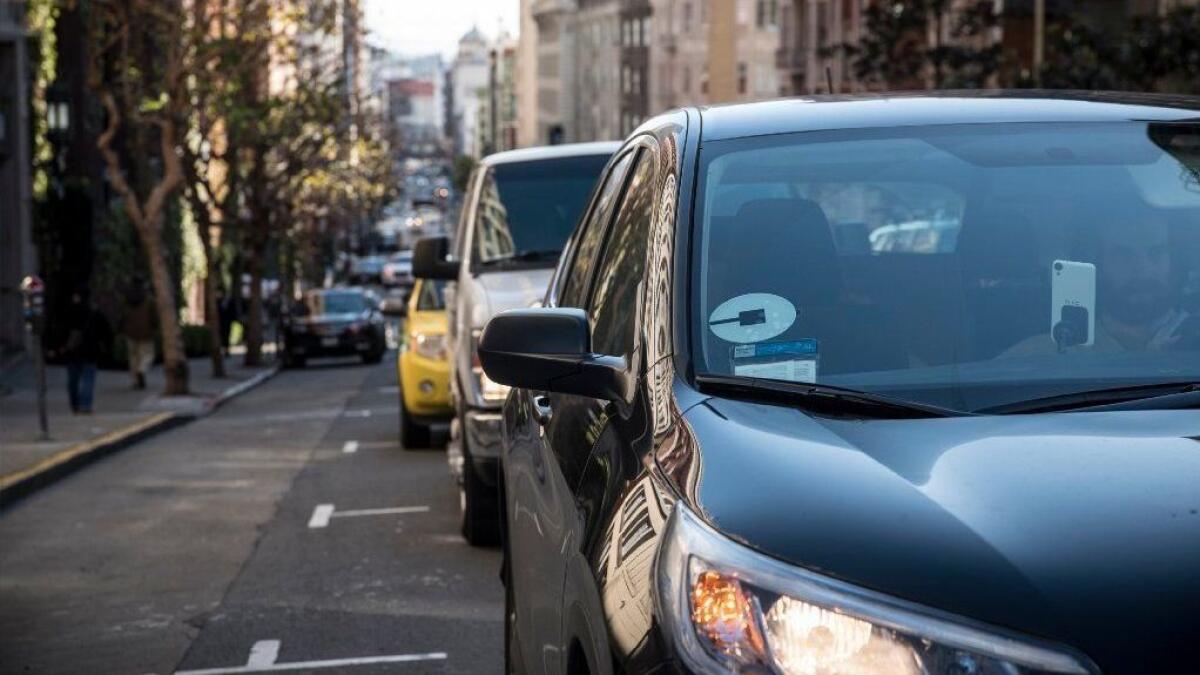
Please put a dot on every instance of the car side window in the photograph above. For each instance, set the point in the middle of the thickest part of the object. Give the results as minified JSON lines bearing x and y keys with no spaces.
{"x":575,"y":286}
{"x":613,"y":308}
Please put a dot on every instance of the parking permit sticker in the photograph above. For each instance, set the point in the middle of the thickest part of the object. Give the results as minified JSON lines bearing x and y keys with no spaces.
{"x":794,"y":361}
{"x":752,"y":317}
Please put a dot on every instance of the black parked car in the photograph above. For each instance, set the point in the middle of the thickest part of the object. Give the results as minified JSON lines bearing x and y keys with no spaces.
{"x":866,"y":385}
{"x":334,"y":322}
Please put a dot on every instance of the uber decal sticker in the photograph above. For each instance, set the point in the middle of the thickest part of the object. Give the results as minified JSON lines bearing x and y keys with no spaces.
{"x":752,"y":317}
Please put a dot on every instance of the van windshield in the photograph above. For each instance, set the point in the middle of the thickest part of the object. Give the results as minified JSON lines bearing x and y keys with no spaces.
{"x":964,"y":266}
{"x":528,"y":209}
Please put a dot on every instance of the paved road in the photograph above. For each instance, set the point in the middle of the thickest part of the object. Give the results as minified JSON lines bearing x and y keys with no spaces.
{"x":252,"y":539}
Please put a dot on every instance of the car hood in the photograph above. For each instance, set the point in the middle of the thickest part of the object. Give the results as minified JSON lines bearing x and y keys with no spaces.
{"x":509,"y":289}
{"x":1083,"y":528}
{"x":426,"y":321}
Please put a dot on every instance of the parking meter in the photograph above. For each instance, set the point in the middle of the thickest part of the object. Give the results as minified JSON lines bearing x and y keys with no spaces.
{"x":33,"y":296}
{"x":33,"y":293}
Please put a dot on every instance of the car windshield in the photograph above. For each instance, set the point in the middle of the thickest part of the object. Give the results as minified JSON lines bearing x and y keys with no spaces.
{"x":336,"y":303}
{"x":431,"y":296}
{"x":964,"y":266}
{"x":528,"y":209}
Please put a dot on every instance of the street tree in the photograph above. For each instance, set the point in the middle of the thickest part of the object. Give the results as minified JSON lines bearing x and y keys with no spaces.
{"x":139,"y":74}
{"x":907,"y":43}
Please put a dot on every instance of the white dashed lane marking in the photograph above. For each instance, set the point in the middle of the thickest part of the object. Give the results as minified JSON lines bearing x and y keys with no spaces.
{"x":350,"y":446}
{"x":324,"y":512}
{"x":264,"y":653}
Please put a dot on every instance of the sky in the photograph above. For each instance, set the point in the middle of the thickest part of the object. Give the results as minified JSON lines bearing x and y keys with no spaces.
{"x":424,"y":26}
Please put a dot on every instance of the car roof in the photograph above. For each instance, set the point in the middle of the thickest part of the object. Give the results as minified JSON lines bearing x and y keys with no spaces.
{"x":815,"y":113}
{"x":552,"y":152}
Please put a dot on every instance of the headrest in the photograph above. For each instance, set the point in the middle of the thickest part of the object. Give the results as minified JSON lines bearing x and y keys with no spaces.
{"x":779,"y":246}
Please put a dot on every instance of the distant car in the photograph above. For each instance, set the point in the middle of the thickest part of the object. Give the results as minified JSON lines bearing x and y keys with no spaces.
{"x":395,"y":303}
{"x":520,"y":208}
{"x":424,"y":365}
{"x":397,"y":271}
{"x":334,"y":322}
{"x":367,"y":269}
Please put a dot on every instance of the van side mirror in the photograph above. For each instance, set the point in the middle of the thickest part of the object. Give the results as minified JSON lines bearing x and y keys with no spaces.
{"x":430,"y":259}
{"x":549,"y":349}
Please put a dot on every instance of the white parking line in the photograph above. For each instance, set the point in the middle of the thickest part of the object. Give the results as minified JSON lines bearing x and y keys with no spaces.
{"x":358,"y":413}
{"x":323,"y":512}
{"x":262,"y":647}
{"x":390,"y":389}
{"x":381,"y":512}
{"x":321,"y":515}
{"x":350,"y":446}
{"x":263,"y":654}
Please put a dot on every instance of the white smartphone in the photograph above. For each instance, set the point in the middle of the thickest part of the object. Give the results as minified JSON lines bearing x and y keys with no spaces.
{"x":1073,"y":303}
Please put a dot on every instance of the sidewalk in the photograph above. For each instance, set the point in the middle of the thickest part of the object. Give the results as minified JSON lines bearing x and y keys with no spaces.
{"x":121,"y":414}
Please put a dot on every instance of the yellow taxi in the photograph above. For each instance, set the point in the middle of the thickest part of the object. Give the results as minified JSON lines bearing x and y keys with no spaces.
{"x":424,"y":365}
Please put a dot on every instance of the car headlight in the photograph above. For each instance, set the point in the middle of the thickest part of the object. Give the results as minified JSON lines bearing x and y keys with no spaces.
{"x":492,"y":392}
{"x":727,"y":608}
{"x":489,"y":390}
{"x":430,"y":345}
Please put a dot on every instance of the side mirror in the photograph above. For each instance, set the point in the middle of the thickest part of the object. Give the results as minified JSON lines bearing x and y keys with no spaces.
{"x":429,"y":259}
{"x":549,"y":349}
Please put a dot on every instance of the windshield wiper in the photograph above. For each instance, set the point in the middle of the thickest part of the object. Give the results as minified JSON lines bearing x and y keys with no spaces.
{"x":822,"y":397}
{"x":1160,"y":396}
{"x":524,"y":256}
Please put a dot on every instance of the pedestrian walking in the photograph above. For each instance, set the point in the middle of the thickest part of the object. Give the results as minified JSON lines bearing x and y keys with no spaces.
{"x":85,"y":338}
{"x":137,"y":325}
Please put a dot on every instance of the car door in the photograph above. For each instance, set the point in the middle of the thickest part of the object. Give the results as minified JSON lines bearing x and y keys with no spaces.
{"x":578,"y":425}
{"x":537,"y":483}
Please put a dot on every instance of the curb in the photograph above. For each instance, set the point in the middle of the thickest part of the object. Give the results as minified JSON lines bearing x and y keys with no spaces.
{"x":19,"y":484}
{"x":241,"y":388}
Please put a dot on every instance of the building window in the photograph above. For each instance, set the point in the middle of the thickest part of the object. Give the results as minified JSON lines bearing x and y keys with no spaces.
{"x":766,"y":13}
{"x":741,"y":78}
{"x":822,"y":24}
{"x":687,"y":17}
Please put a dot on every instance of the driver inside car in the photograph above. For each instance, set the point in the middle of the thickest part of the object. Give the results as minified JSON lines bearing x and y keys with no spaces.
{"x":1139,"y":291}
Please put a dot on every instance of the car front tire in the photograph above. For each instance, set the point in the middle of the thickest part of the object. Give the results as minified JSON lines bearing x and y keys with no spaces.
{"x":413,"y":434}
{"x":480,"y":515}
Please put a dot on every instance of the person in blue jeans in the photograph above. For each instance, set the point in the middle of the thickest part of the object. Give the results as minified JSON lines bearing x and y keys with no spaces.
{"x":81,"y":351}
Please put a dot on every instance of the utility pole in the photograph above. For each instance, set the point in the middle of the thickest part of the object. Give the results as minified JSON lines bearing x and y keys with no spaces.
{"x":1039,"y":39}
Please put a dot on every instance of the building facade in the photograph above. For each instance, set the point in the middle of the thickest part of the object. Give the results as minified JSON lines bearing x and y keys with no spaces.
{"x":526,"y":78}
{"x":469,"y":77}
{"x":17,"y":256}
{"x":497,"y":129}
{"x":556,"y":88}
{"x":597,"y":70}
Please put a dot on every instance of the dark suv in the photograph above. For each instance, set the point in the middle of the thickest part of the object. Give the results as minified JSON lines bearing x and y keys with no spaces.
{"x":334,"y":322}
{"x":874,"y":385}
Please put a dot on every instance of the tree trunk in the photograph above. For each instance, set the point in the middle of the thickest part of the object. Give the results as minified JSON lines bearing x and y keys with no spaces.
{"x":212,"y":316}
{"x":147,"y":219}
{"x":175,"y":365}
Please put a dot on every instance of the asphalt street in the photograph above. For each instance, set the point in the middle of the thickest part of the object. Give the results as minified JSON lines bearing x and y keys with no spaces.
{"x":287,"y":531}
